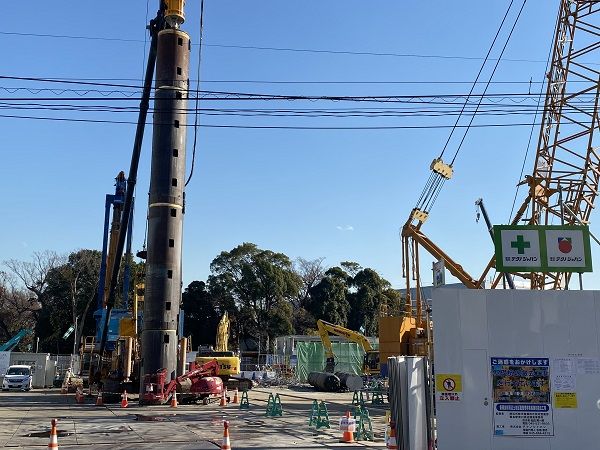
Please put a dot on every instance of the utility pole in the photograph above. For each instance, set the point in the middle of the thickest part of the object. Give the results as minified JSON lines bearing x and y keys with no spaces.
{"x":165,"y":207}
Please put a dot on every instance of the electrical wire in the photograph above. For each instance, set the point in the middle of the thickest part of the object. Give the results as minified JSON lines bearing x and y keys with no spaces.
{"x":197,"y":93}
{"x":548,"y":60}
{"x":278,"y":127}
{"x":477,"y":77}
{"x":488,"y":85}
{"x":271,"y":48}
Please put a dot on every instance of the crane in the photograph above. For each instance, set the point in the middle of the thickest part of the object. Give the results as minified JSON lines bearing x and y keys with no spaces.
{"x":371,"y":360}
{"x":14,"y":341}
{"x":563,"y":184}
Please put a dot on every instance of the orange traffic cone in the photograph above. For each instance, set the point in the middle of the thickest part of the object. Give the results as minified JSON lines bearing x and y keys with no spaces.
{"x":236,"y":399}
{"x":124,"y":400}
{"x":225,"y":445}
{"x":391,"y":442}
{"x":348,"y":434}
{"x":223,"y":398}
{"x":53,"y":435}
{"x":174,"y":400}
{"x":99,"y":400}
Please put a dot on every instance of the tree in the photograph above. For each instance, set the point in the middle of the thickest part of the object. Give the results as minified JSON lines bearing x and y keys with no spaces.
{"x":81,"y":272}
{"x":328,"y":297}
{"x":34,"y":274}
{"x":70,"y":291}
{"x":366,"y":300}
{"x":17,"y":310}
{"x":261,"y":283}
{"x":351,"y":267}
{"x":201,"y":314}
{"x":393,"y":303}
{"x":311,"y":273}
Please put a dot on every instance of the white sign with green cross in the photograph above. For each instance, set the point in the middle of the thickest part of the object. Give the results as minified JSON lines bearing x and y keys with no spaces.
{"x":529,"y":248}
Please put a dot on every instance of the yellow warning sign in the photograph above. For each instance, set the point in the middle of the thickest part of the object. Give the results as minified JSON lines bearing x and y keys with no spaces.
{"x":565,"y":400}
{"x":448,"y":382}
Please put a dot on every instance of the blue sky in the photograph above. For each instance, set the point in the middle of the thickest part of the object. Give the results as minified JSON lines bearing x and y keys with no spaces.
{"x":338,"y":194}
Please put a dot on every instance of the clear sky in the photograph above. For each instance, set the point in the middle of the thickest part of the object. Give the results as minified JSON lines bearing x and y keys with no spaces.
{"x":342,"y":194}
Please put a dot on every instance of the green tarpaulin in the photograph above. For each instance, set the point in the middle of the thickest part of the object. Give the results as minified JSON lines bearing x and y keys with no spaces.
{"x":311,"y":358}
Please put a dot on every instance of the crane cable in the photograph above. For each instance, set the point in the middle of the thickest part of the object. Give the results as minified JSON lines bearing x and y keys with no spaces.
{"x":489,"y":81}
{"x":533,"y":125}
{"x":197,"y":93}
{"x":477,"y":78}
{"x":436,"y":181}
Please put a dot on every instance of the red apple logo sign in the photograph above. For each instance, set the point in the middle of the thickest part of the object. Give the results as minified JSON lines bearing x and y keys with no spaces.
{"x":565,"y":245}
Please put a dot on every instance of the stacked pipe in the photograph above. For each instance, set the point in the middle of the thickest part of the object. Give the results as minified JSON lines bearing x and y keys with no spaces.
{"x":350,"y":381}
{"x":324,"y":381}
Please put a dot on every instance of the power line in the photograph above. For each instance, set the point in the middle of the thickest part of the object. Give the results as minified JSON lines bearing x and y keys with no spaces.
{"x":270,"y":48}
{"x":510,"y":110}
{"x":434,"y":82}
{"x":279,"y":127}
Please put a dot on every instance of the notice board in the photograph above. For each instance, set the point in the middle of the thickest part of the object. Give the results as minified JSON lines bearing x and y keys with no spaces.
{"x":529,"y":365}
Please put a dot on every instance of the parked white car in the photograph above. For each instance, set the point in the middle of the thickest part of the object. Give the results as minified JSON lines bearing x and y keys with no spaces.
{"x":17,"y":377}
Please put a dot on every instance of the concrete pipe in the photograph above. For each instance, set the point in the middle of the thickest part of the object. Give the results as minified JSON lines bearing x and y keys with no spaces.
{"x":324,"y":381}
{"x":350,"y":381}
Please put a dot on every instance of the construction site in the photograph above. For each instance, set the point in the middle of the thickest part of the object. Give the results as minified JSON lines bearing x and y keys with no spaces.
{"x":505,"y":358}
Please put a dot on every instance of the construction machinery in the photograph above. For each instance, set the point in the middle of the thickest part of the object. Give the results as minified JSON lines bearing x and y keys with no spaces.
{"x":199,"y":384}
{"x":229,"y":362}
{"x":115,"y":331}
{"x":564,"y":182}
{"x":371,"y":358}
{"x":14,"y":341}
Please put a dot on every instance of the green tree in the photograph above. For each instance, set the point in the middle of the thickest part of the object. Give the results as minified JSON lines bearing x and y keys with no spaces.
{"x":201,"y":314}
{"x":329,"y":297}
{"x":261,"y":283}
{"x":70,"y":294}
{"x":393,"y":303}
{"x":366,"y":299}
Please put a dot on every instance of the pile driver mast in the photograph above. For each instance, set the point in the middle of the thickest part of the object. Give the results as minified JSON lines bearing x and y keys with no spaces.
{"x":169,"y":55}
{"x":564,"y":183}
{"x":162,"y":295}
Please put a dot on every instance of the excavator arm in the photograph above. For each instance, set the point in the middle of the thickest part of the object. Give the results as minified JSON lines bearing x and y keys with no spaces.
{"x":325,"y":328}
{"x":208,"y":369}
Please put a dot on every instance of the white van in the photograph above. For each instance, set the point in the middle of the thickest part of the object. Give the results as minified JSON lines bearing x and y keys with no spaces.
{"x":18,"y":377}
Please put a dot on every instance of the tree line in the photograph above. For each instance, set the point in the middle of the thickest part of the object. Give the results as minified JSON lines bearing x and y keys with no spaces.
{"x":265,"y":293}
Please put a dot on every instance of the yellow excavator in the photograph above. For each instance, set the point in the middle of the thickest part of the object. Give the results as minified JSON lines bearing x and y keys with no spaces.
{"x":371,"y":359}
{"x":229,"y":362}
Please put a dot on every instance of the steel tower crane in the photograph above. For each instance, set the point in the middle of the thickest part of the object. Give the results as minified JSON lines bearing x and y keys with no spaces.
{"x":564,"y":182}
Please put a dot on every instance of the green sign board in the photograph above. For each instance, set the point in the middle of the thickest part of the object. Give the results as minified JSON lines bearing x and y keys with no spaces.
{"x":535,"y":248}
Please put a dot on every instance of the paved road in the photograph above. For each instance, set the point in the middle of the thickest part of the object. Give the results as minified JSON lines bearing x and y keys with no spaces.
{"x":25,"y":423}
